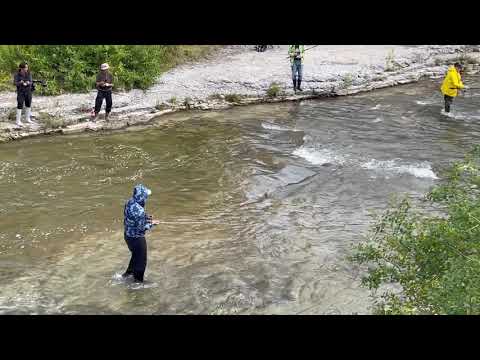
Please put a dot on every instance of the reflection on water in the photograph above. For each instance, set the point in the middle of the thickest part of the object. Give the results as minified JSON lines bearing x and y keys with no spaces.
{"x":259,"y":205}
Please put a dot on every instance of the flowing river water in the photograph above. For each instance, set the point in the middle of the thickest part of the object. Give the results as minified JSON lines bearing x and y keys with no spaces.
{"x":259,"y":205}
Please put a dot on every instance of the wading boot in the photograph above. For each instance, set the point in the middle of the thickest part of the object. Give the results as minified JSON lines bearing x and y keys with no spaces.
{"x":28,"y":114}
{"x":19,"y":118}
{"x":299,"y":82}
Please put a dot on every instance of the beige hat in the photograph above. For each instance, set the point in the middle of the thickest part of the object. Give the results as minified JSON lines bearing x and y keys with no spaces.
{"x":104,"y":67}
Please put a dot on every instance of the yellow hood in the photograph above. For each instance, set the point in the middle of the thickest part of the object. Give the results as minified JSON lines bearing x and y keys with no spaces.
{"x":452,"y":82}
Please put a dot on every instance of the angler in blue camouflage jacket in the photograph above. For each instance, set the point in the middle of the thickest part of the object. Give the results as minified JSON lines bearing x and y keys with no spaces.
{"x":136,"y":222}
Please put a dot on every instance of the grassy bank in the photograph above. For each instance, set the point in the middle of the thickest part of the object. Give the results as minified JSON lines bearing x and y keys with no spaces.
{"x":73,"y":68}
{"x":435,"y":260}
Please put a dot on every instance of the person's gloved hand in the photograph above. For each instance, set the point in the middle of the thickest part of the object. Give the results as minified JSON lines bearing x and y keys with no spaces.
{"x":466,"y":87}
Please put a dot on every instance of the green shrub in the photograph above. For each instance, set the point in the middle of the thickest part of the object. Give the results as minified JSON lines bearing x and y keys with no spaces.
{"x":434,"y":259}
{"x":6,"y":82}
{"x":233,"y":98}
{"x":215,"y":97}
{"x":187,"y":102}
{"x":173,"y":100}
{"x":347,"y":80}
{"x":273,"y":90}
{"x":51,"y":121}
{"x":73,"y":68}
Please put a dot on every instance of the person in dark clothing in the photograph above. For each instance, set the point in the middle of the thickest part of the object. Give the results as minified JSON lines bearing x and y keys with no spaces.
{"x":104,"y":86}
{"x":136,"y":222}
{"x":23,"y":81}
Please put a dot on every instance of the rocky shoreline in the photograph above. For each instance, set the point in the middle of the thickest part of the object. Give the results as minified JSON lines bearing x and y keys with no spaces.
{"x":241,"y":76}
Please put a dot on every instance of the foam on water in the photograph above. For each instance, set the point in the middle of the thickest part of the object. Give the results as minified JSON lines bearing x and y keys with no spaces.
{"x":423,"y":102}
{"x":419,"y":170}
{"x":318,"y":156}
{"x":457,"y":115}
{"x":270,"y":126}
{"x":140,"y":286}
{"x":118,"y":279}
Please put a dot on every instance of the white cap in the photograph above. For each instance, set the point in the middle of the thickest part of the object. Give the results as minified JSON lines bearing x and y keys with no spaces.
{"x":104,"y":66}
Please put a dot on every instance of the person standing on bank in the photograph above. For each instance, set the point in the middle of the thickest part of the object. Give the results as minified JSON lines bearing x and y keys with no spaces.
{"x":104,"y":86}
{"x":451,"y":84}
{"x":23,"y":81}
{"x":296,"y":53}
{"x":136,"y":222}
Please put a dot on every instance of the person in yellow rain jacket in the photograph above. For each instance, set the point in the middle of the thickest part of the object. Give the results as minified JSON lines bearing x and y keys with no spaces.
{"x":451,"y":84}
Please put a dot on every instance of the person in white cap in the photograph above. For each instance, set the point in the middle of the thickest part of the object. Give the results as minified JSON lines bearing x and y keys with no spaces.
{"x":23,"y":81}
{"x":104,"y":86}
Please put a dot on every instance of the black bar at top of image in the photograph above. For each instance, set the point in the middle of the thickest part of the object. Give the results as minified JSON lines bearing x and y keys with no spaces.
{"x":339,"y":23}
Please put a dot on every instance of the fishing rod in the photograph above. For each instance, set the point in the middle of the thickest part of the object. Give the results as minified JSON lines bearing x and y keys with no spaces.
{"x":470,"y":88}
{"x":41,"y":82}
{"x":305,"y":50}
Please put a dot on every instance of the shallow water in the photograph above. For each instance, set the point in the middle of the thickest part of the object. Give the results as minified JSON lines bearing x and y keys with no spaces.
{"x":259,"y":205}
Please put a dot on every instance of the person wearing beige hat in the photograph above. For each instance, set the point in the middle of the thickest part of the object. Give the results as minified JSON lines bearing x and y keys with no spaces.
{"x":104,"y":85}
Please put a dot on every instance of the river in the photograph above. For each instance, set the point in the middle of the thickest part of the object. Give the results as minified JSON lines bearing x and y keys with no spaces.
{"x":260,"y":205}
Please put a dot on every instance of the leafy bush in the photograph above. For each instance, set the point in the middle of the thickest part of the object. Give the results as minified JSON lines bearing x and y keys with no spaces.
{"x":51,"y":121}
{"x":273,"y":90}
{"x":434,"y":259}
{"x":233,"y":98}
{"x":347,"y":80}
{"x":73,"y":68}
{"x":187,"y":102}
{"x":215,"y":97}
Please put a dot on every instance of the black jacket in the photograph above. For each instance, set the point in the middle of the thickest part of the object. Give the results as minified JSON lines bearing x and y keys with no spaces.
{"x":19,"y":77}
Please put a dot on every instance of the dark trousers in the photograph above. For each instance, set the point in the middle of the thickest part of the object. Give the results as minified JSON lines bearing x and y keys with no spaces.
{"x":448,"y":102}
{"x":138,"y":261}
{"x":107,"y":95}
{"x":24,"y":97}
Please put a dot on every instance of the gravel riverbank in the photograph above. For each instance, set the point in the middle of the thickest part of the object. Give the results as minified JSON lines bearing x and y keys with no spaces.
{"x":329,"y":70}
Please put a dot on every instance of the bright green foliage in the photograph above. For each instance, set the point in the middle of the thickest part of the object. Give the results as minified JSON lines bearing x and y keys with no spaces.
{"x":73,"y":68}
{"x":434,"y":259}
